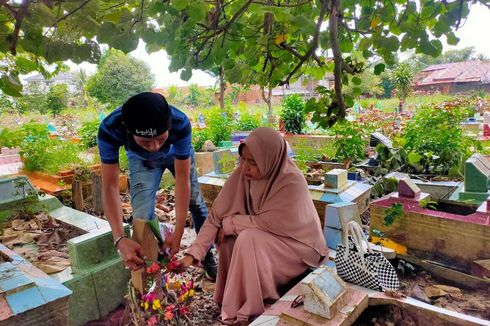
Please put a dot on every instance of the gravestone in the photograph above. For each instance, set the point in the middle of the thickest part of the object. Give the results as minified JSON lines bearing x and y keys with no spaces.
{"x":336,"y":179}
{"x":201,"y":122}
{"x":337,"y":216}
{"x":378,"y":138}
{"x":407,"y":188}
{"x":324,"y":293}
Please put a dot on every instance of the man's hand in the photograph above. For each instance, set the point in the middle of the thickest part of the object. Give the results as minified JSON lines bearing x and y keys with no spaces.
{"x":187,"y":261}
{"x":131,"y":255}
{"x":173,"y":243}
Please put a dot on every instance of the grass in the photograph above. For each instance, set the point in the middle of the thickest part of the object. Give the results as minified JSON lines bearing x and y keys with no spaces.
{"x":411,"y":103}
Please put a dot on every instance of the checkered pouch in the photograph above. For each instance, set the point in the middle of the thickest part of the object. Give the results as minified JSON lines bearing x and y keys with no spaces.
{"x":358,"y":264}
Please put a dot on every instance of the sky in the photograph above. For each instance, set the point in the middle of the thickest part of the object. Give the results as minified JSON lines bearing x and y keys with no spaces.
{"x":471,"y":33}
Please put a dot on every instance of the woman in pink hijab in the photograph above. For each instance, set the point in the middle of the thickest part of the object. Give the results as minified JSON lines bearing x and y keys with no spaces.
{"x":265,"y":225}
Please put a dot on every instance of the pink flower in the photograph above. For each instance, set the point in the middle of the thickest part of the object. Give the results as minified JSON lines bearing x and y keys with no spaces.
{"x":153,"y":321}
{"x":149,"y":297}
{"x":168,"y":315}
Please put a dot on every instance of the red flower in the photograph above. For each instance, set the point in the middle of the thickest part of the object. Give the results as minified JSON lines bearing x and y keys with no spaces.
{"x":184,"y":310}
{"x":173,"y":265}
{"x":153,"y":268}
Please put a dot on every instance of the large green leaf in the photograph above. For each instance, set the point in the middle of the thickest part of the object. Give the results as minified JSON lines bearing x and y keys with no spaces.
{"x":10,"y":85}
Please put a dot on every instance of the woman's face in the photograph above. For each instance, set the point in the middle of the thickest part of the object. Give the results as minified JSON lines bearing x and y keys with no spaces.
{"x":249,"y":167}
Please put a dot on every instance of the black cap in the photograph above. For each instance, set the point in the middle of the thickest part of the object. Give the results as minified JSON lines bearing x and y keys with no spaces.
{"x":147,"y":115}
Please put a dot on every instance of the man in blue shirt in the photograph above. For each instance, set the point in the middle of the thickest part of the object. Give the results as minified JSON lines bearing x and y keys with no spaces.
{"x":156,"y":137}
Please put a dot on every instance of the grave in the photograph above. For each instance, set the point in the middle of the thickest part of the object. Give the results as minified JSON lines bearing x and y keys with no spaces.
{"x":96,"y":277}
{"x":10,"y":162}
{"x":475,"y":187}
{"x":454,"y":235}
{"x":354,"y":191}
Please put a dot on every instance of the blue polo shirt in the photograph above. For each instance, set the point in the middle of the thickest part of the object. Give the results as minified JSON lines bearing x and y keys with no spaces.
{"x":113,"y":134}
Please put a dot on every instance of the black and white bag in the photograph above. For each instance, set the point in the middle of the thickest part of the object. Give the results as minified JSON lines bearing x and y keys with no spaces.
{"x":358,"y":264}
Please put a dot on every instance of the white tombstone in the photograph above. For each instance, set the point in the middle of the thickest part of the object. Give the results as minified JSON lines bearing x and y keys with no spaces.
{"x":324,"y":292}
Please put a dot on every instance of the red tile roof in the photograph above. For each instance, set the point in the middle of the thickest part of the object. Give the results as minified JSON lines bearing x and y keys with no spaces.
{"x":457,"y":72}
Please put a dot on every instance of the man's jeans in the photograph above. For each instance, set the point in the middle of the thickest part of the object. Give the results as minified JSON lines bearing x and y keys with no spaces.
{"x":144,"y":181}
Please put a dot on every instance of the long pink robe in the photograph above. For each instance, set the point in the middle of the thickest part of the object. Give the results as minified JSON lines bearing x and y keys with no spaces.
{"x":272,"y":228}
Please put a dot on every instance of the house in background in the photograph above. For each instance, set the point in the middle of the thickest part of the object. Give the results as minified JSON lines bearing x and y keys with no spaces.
{"x":39,"y":82}
{"x":456,"y":77}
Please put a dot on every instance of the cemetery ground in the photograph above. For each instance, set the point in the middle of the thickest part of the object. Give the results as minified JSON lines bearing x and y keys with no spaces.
{"x":363,"y":163}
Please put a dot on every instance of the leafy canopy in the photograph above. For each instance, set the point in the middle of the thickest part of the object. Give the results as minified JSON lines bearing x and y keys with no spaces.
{"x":269,"y":42}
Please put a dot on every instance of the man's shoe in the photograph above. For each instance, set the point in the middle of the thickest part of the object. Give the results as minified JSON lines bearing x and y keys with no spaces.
{"x":210,"y":266}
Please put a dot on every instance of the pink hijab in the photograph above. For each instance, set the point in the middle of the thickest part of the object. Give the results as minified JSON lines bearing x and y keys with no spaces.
{"x":280,"y":199}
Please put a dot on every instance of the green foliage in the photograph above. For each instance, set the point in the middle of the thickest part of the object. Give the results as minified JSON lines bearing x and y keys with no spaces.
{"x":293,"y":114}
{"x":402,"y":79}
{"x":199,"y":137}
{"x":248,"y":122}
{"x":267,"y":43}
{"x":50,"y":155}
{"x":33,"y":100}
{"x":348,"y":142}
{"x":392,"y":214}
{"x":306,"y":153}
{"x":219,"y":124}
{"x":429,"y":204}
{"x":88,"y":133}
{"x":30,"y":131}
{"x":57,"y":98}
{"x":366,"y":84}
{"x":227,"y":163}
{"x":434,"y":138}
{"x":118,"y":77}
{"x":123,"y":160}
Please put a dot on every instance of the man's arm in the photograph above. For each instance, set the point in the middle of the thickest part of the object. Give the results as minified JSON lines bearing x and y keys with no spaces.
{"x":130,"y":250}
{"x":182,"y":198}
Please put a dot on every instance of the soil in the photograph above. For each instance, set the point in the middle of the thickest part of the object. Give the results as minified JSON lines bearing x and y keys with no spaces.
{"x":424,"y":287}
{"x":40,"y":239}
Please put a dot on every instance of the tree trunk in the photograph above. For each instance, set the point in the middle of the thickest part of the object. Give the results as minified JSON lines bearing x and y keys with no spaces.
{"x":333,"y":23}
{"x":77,"y":195}
{"x":222,"y":87}
{"x":97,"y":192}
{"x":268,"y":100}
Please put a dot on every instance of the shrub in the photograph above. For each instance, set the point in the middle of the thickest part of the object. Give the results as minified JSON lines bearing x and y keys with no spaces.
{"x":434,"y":138}
{"x":293,"y":114}
{"x":348,"y":142}
{"x":56,"y":99}
{"x":219,"y":124}
{"x":198,"y":138}
{"x":248,"y":122}
{"x":88,"y":133}
{"x":50,"y":155}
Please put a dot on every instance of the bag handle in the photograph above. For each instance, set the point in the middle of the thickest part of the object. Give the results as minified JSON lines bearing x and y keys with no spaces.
{"x":358,"y":238}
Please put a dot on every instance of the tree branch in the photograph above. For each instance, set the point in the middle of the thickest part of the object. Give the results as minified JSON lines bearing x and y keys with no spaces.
{"x":313,"y":44}
{"x":67,"y":15}
{"x":284,"y":5}
{"x":333,"y":24}
{"x":19,"y":17}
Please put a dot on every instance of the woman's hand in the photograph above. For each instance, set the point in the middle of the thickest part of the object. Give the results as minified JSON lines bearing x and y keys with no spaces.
{"x":187,"y":261}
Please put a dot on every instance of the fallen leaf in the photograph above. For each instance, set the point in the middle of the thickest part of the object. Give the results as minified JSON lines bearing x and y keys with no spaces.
{"x":433,"y":292}
{"x":53,"y":265}
{"x":416,"y":292}
{"x":18,"y":225}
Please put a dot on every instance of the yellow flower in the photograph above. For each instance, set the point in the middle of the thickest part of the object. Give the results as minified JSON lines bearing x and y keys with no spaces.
{"x":156,"y":304}
{"x":146,"y":305}
{"x":191,"y":292}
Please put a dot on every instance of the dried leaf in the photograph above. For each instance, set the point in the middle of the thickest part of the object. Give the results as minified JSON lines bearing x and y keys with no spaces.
{"x":433,"y":292}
